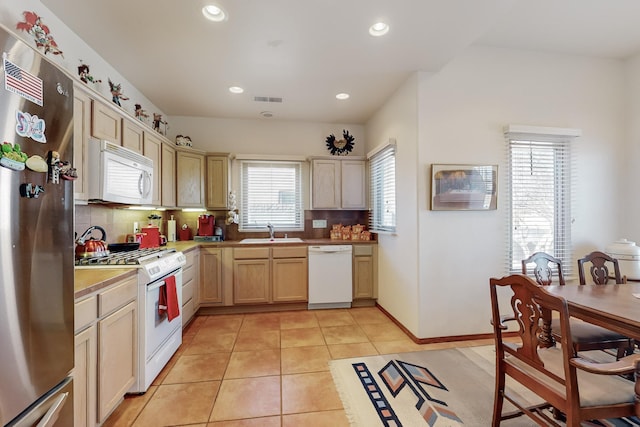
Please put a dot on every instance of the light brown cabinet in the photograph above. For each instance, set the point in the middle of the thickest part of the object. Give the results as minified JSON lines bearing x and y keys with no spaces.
{"x":190,"y":285}
{"x":106,"y":123}
{"x":217,"y":181}
{"x":106,"y":350}
{"x":168,"y":179}
{"x":338,"y":183}
{"x":81,"y":133}
{"x":251,"y":276}
{"x":289,"y":274}
{"x":190,"y":179}
{"x":132,"y":136}
{"x":365,"y":272}
{"x":211,"y":291}
{"x":85,"y":360}
{"x":152,"y":148}
{"x":264,"y":275}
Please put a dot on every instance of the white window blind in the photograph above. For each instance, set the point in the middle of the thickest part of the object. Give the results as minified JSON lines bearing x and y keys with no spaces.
{"x":382,"y":166}
{"x":540,"y":191}
{"x":271,"y":193}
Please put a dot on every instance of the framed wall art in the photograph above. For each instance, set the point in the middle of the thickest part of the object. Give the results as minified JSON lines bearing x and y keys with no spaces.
{"x":464,"y":187}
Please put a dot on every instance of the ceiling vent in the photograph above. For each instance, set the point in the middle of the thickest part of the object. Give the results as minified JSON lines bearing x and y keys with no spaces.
{"x":266,"y":99}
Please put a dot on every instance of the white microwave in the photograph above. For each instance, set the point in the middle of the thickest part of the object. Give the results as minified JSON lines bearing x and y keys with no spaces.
{"x":118,"y":175}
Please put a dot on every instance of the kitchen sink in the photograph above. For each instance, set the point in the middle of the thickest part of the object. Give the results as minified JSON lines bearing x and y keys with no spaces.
{"x":276,"y":240}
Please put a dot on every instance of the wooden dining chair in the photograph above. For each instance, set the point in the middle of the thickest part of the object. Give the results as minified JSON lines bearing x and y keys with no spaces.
{"x":599,"y":268}
{"x":581,"y":389}
{"x":585,"y":335}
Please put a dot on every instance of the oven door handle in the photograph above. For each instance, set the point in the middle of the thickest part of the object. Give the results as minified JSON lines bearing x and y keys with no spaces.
{"x":155,"y":285}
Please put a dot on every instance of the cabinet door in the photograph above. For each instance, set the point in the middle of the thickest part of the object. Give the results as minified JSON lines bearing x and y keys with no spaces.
{"x":325,"y":181}
{"x":217,"y":181}
{"x":117,"y":357}
{"x":354,"y":194}
{"x":251,"y":281}
{"x":290,"y":279}
{"x":105,"y":123}
{"x":132,"y":136}
{"x":168,"y":179}
{"x":363,"y":277}
{"x":84,"y":378}
{"x":81,"y":133}
{"x":190,"y":179}
{"x":211,"y":274}
{"x":153,"y":150}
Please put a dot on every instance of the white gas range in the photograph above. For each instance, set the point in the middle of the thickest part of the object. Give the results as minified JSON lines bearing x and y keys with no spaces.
{"x":158,"y":338}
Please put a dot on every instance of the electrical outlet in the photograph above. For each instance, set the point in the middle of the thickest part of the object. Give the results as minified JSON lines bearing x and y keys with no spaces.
{"x":319,"y":223}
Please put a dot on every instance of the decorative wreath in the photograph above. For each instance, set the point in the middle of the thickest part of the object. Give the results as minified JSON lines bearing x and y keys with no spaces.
{"x":342,"y":146}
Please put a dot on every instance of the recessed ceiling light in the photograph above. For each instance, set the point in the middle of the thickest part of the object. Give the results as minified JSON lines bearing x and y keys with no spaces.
{"x":342,"y":96}
{"x":267,"y":114}
{"x":214,"y":13}
{"x":379,"y":29}
{"x":236,"y":89}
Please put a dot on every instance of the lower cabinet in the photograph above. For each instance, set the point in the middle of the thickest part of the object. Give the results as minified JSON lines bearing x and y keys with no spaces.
{"x":289,"y":274}
{"x":190,"y":285}
{"x":106,"y":351}
{"x":211,"y":269}
{"x":84,"y":372}
{"x":263,"y":275}
{"x":251,"y":276}
{"x":365,"y":276}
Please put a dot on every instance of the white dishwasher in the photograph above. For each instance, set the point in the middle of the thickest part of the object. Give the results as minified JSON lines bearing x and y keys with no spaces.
{"x":330,"y":283}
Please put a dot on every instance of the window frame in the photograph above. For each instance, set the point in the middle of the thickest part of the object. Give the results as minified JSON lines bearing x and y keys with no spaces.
{"x":244,"y":209}
{"x":555,"y":144}
{"x":379,"y":187}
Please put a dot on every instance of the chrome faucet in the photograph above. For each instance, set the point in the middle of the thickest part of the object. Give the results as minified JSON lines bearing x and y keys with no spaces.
{"x":271,"y":231}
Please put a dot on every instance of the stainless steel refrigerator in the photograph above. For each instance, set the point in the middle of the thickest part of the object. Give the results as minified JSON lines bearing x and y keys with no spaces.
{"x":36,"y":239}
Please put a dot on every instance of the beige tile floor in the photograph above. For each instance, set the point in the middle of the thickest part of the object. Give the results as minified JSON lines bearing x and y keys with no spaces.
{"x":267,"y":370}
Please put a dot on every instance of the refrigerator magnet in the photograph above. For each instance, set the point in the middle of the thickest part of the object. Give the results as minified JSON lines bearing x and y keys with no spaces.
{"x":12,"y":156}
{"x":29,"y":126}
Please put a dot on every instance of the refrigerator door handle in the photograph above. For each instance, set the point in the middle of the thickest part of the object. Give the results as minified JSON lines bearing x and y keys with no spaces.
{"x":50,"y":418}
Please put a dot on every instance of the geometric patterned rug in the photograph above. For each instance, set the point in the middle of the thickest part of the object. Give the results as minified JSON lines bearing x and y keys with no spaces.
{"x":436,"y":388}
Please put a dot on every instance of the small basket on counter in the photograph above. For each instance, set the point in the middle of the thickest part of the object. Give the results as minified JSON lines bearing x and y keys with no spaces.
{"x":336,"y":232}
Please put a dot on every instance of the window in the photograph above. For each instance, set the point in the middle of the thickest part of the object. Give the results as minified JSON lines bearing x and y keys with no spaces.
{"x":382,"y":165}
{"x":540,"y":180}
{"x":271,"y":193}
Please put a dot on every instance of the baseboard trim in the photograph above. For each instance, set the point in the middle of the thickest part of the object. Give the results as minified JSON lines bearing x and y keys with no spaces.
{"x":435,"y":340}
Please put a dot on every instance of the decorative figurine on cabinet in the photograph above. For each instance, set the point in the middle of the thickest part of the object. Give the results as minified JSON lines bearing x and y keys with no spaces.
{"x":85,"y":76}
{"x":41,"y":35}
{"x":116,"y":93}
{"x":340,"y":147}
{"x":157,"y":120}
{"x":140,"y":113}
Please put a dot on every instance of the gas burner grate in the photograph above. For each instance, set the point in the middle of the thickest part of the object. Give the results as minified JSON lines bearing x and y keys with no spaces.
{"x":124,"y":258}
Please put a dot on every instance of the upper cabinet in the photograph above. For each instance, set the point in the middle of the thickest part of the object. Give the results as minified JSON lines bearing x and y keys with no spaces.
{"x":338,"y":183}
{"x":106,"y":123}
{"x":190,"y":171}
{"x":81,"y":133}
{"x":132,"y":136}
{"x":152,"y":148}
{"x":217,"y":181}
{"x":168,"y":179}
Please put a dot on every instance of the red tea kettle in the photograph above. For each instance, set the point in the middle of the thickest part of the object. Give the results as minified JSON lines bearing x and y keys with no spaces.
{"x":89,"y":247}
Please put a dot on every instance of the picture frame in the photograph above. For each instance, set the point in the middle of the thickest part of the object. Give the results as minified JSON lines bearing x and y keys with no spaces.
{"x":459,"y":187}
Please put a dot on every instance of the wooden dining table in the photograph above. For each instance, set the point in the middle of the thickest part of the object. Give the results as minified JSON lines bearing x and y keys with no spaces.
{"x":611,"y":306}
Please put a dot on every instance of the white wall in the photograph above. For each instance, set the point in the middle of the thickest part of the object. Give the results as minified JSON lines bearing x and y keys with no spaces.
{"x":73,"y":50}
{"x":263,"y":136}
{"x":462,"y":112}
{"x":398,"y":290}
{"x":630,"y":203}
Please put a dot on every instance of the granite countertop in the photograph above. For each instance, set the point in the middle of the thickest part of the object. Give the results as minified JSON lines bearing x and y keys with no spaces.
{"x":89,"y":280}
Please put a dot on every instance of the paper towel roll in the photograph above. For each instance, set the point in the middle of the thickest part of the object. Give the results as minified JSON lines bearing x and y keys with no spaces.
{"x":171,"y":230}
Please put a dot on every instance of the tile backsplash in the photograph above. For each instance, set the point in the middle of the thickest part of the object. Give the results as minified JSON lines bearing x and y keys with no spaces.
{"x":118,"y":222}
